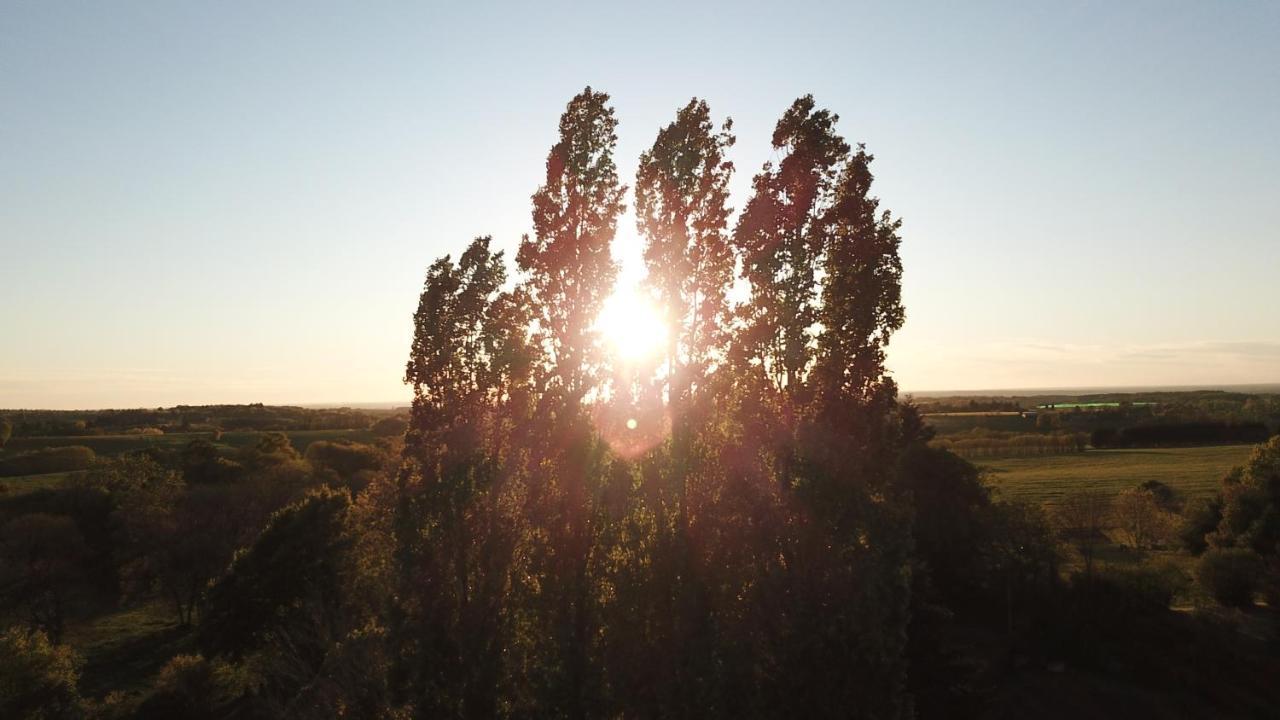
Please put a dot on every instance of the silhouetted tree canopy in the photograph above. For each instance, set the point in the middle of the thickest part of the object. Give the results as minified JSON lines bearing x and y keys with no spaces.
{"x":754,"y":528}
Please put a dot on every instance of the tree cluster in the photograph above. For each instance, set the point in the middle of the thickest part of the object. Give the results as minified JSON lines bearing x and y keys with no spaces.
{"x":1204,"y":432}
{"x":750,"y":525}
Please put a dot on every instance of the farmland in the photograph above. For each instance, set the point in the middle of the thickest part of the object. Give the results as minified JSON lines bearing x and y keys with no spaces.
{"x":1192,"y":471}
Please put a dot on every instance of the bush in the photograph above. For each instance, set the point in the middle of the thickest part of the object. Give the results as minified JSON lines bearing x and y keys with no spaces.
{"x":1200,"y":518}
{"x":1165,"y":496}
{"x":390,"y":427}
{"x":37,"y":678}
{"x":48,"y":460}
{"x":344,"y":457}
{"x":1151,"y":586}
{"x":190,"y":686}
{"x":1230,"y":575}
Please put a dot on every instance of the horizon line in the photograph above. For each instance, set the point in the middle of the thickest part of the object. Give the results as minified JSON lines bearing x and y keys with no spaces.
{"x":1262,"y":387}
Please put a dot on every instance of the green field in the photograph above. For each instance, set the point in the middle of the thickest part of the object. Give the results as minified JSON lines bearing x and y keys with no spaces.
{"x":115,"y":444}
{"x":1194,"y":472}
{"x":23,"y":484}
{"x":951,"y":423}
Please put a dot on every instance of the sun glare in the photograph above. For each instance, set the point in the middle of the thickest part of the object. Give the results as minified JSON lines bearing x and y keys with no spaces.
{"x":632,"y":325}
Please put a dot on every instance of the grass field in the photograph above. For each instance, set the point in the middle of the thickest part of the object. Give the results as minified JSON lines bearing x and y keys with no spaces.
{"x":123,"y":649}
{"x":23,"y":484}
{"x":1194,"y":471}
{"x":951,"y":423}
{"x":115,"y":444}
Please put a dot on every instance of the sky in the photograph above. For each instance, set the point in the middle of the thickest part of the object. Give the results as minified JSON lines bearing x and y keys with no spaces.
{"x":237,"y":202}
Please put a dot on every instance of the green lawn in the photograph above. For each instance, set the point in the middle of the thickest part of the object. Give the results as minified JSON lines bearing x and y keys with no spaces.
{"x":1194,"y":471}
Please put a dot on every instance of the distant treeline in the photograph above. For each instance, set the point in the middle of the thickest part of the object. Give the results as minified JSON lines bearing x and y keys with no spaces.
{"x":187,"y":418}
{"x":954,"y":405}
{"x":1185,"y":433}
{"x":980,"y":443}
{"x":952,"y":416}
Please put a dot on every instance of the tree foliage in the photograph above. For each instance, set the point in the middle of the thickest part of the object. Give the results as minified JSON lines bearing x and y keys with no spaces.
{"x":42,"y":560}
{"x":781,"y":240}
{"x":37,"y":677}
{"x":754,"y":562}
{"x":1231,"y":575}
{"x":758,"y":541}
{"x":682,"y":193}
{"x":568,"y":263}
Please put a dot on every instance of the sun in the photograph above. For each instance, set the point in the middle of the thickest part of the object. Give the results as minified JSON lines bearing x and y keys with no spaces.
{"x":632,"y":325}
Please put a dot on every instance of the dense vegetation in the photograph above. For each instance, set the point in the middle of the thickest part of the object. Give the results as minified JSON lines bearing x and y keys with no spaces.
{"x":990,"y":427}
{"x":749,"y":525}
{"x":47,"y":460}
{"x":181,"y":419}
{"x":1183,"y":433}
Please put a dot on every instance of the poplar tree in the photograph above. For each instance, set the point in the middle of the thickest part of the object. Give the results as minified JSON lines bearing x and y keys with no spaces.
{"x":861,"y":295}
{"x":682,"y":212}
{"x":569,"y":272}
{"x":682,"y":193}
{"x":780,"y":239}
{"x":824,"y":279}
{"x":454,"y":536}
{"x":567,"y":261}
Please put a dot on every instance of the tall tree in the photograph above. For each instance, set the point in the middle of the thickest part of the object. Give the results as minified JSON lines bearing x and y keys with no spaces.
{"x":824,"y":299}
{"x":682,"y":212}
{"x":780,"y":239}
{"x":567,"y":261}
{"x":449,"y":360}
{"x":861,"y":293}
{"x":682,"y":193}
{"x":569,"y":272}
{"x":453,"y":539}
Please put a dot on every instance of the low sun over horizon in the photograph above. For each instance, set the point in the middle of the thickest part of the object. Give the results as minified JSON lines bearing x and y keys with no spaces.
{"x":250,"y":215}
{"x":571,"y":360}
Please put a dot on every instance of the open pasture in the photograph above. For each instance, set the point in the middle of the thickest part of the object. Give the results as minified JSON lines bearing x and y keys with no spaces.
{"x":1192,"y":471}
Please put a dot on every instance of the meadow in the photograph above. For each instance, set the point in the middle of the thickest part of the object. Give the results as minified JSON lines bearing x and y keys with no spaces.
{"x":22,"y":484}
{"x":1191,"y":471}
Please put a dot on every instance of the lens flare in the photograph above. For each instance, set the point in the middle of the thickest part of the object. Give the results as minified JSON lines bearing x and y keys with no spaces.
{"x":632,"y":325}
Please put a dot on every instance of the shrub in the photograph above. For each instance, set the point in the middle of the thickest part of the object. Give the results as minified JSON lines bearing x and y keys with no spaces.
{"x":390,"y":427}
{"x":48,"y":460}
{"x":190,"y":686}
{"x":1230,"y":575}
{"x":1165,"y":496}
{"x":1200,"y":518}
{"x":145,"y":431}
{"x":37,"y":678}
{"x":115,"y":705}
{"x":344,"y":457}
{"x":1152,"y":586}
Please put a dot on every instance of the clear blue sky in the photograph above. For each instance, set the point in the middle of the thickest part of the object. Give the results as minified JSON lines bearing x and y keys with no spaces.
{"x":235,"y":202}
